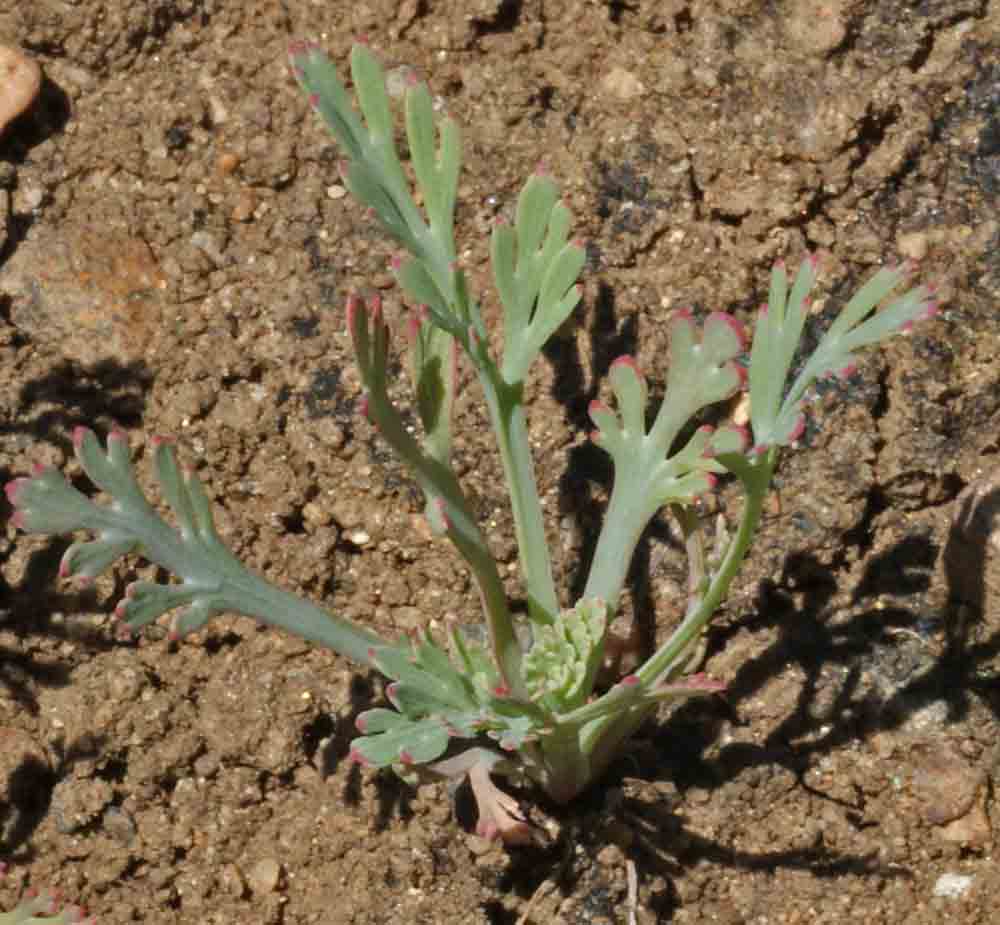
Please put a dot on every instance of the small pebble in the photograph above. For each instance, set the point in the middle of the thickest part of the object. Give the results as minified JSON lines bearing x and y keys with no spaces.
{"x":622,"y":84}
{"x":610,"y":856}
{"x":231,"y":878}
{"x":264,"y":876}
{"x":120,"y":825}
{"x":952,"y":886}
{"x":227,"y":162}
{"x":246,"y":203}
{"x":913,"y":244}
{"x":20,"y":83}
{"x":479,"y":845}
{"x":816,"y":27}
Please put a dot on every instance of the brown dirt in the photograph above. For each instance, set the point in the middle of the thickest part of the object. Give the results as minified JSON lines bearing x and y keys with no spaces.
{"x":176,"y":258}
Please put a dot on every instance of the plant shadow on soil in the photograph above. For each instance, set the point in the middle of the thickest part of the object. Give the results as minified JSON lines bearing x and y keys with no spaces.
{"x":804,"y":638}
{"x":29,"y":789}
{"x":72,"y":396}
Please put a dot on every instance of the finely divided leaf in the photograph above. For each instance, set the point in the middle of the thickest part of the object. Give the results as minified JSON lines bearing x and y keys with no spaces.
{"x":776,"y":415}
{"x":392,"y":738}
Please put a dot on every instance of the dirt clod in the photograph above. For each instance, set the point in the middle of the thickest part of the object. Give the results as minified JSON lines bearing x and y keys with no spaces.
{"x":20,"y":83}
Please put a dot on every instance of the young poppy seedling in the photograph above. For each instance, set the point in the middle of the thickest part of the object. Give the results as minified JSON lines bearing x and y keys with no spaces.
{"x":523,"y":702}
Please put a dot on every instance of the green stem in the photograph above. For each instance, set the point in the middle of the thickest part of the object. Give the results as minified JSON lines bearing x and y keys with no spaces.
{"x":627,"y":515}
{"x":566,"y":770}
{"x":631,"y":507}
{"x":254,"y":597}
{"x":601,"y":738}
{"x":692,"y":625}
{"x":438,"y":482}
{"x":510,"y":424}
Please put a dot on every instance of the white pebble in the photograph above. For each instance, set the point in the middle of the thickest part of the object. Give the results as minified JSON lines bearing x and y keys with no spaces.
{"x":952,"y":886}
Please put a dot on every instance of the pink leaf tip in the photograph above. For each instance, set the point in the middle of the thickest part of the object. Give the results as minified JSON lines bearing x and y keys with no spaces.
{"x":353,"y":307}
{"x":446,"y":521}
{"x":630,"y":681}
{"x":488,"y":830}
{"x":356,"y":756}
{"x":741,"y":374}
{"x":79,"y":435}
{"x":413,"y":323}
{"x":405,"y":757}
{"x":13,"y":489}
{"x":700,"y":682}
{"x":628,"y":361}
{"x":798,"y":430}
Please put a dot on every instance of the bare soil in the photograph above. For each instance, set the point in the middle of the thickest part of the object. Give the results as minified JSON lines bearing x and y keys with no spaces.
{"x":175,"y":252}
